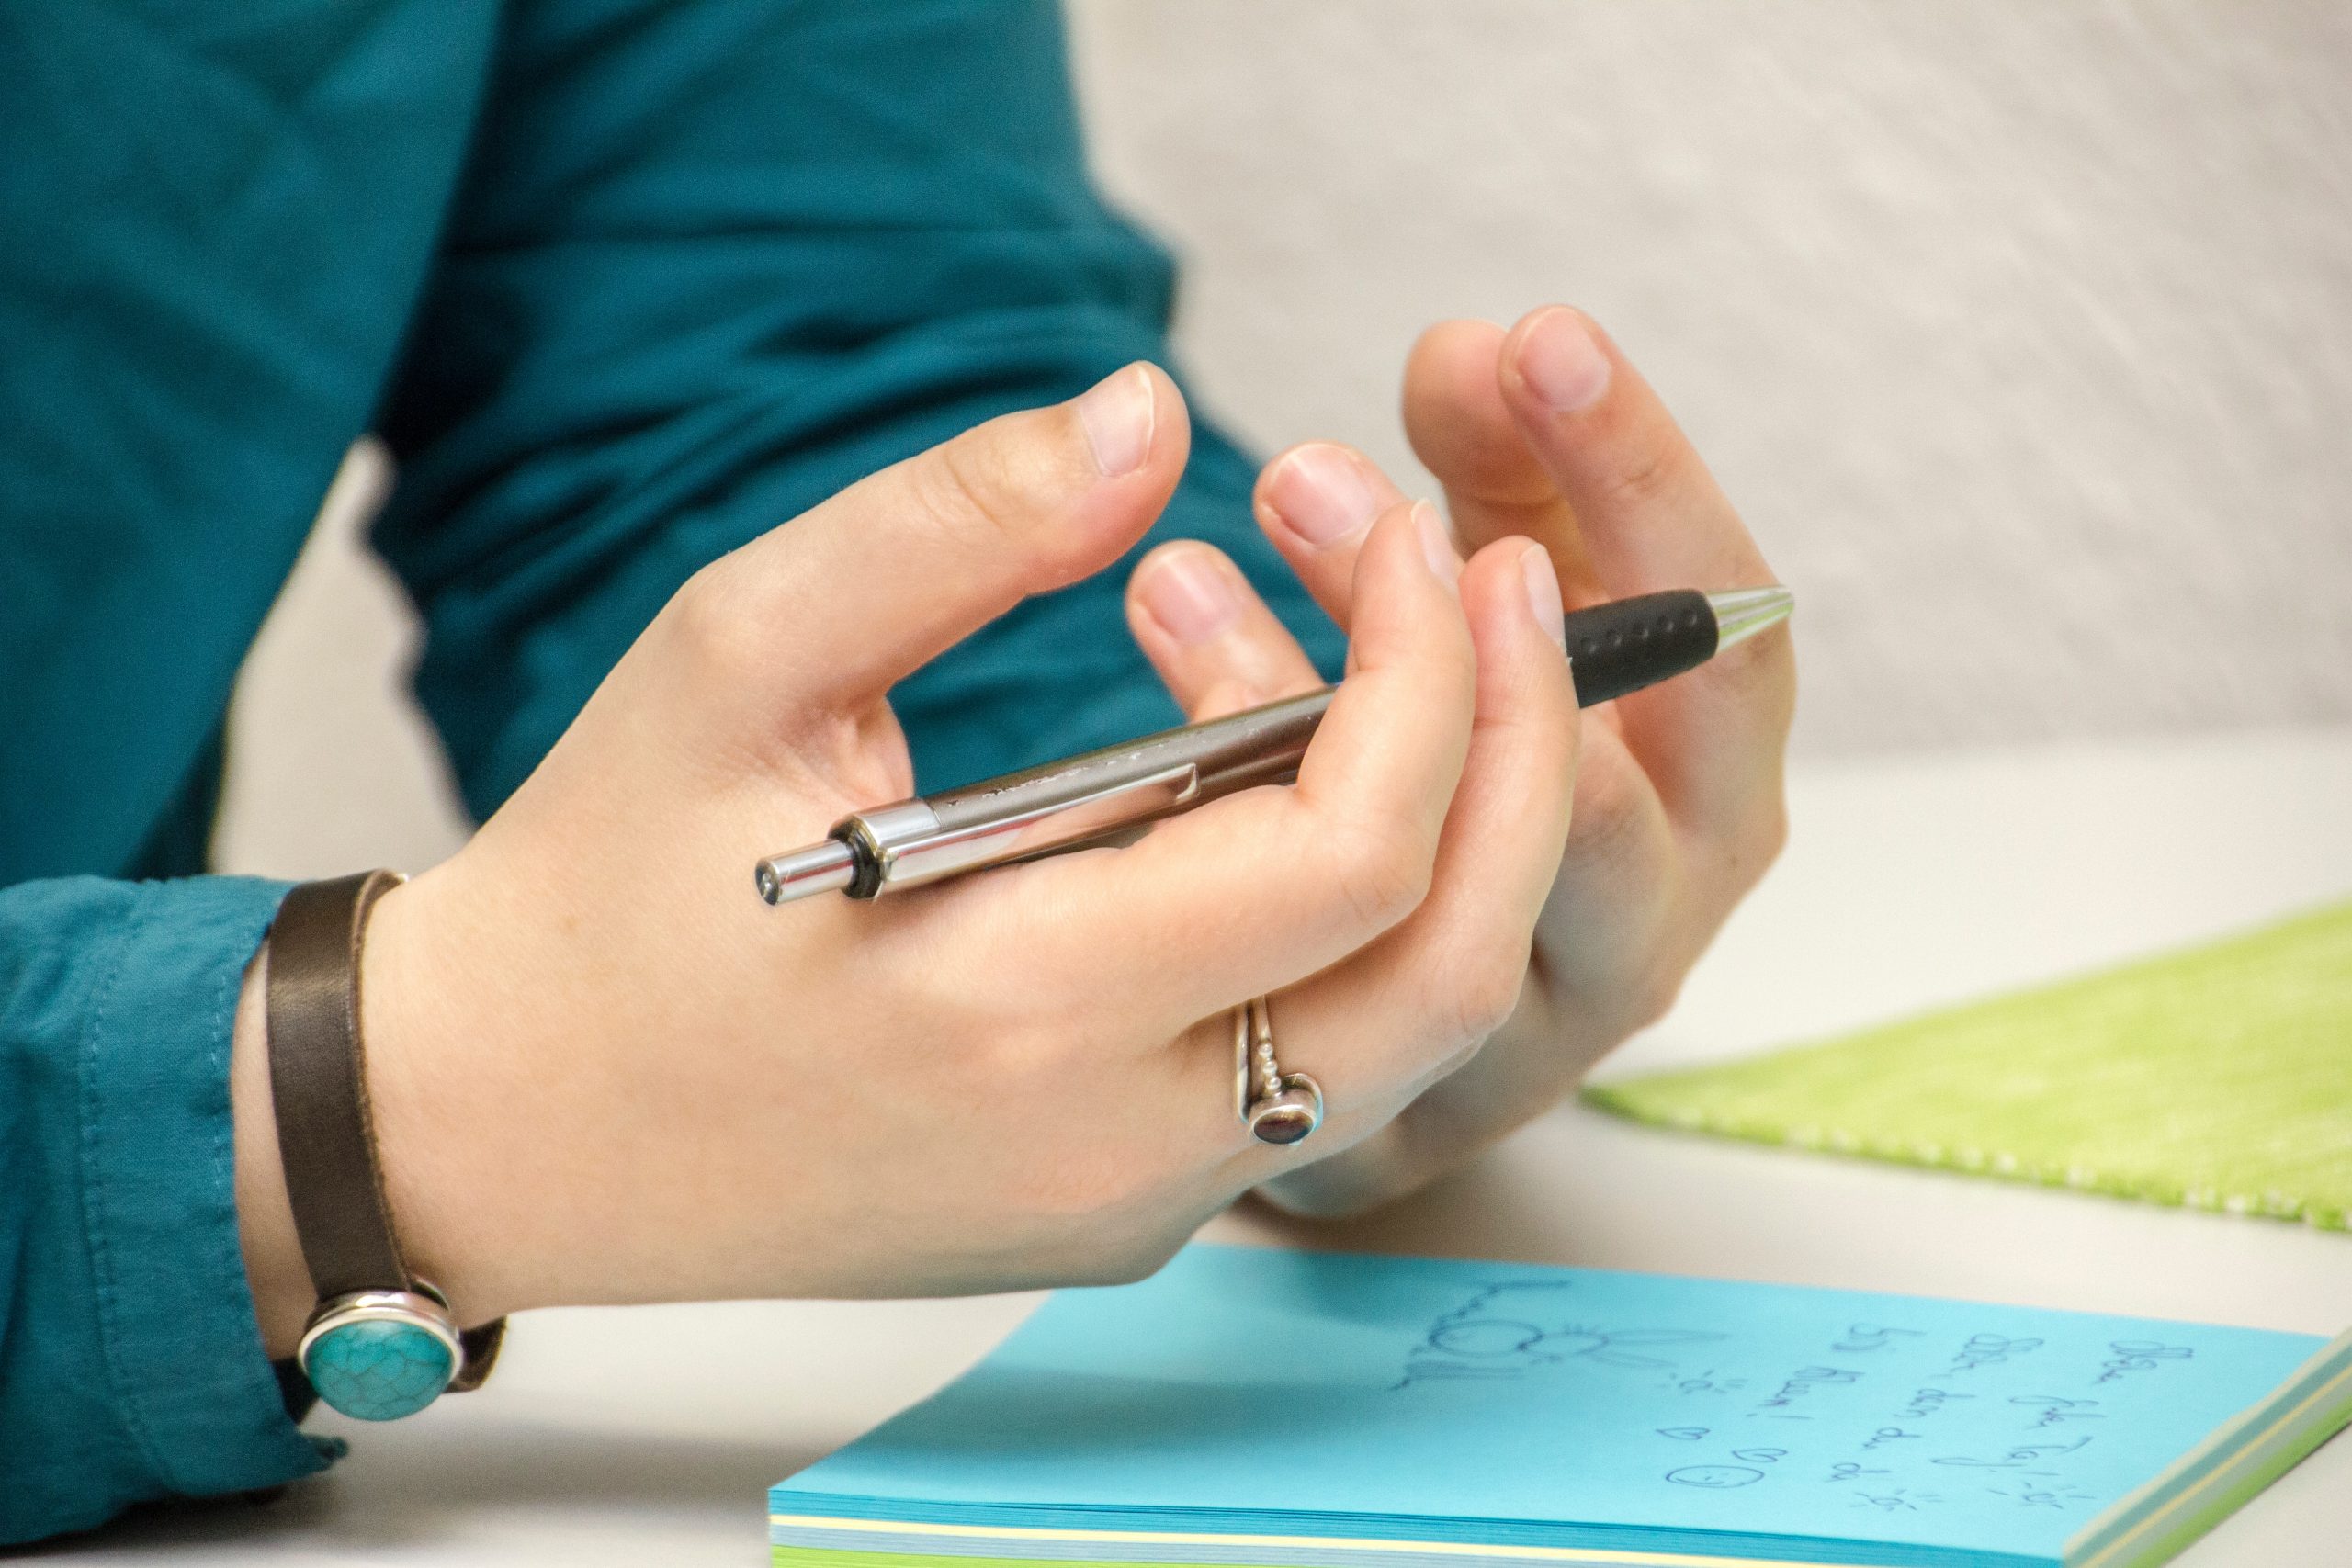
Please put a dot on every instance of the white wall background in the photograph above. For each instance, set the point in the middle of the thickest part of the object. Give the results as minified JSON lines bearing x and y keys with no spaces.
{"x":2021,"y":332}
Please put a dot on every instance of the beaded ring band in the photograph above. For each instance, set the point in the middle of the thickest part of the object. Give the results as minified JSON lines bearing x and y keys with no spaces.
{"x":1277,"y":1106}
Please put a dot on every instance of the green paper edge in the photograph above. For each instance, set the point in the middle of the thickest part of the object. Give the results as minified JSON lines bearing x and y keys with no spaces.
{"x":834,"y":1557}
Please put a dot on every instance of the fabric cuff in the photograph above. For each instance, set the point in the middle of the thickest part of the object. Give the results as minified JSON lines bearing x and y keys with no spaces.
{"x":184,"y":1357}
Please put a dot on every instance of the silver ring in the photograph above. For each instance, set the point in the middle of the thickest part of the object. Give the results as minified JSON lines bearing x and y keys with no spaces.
{"x":1277,"y":1106}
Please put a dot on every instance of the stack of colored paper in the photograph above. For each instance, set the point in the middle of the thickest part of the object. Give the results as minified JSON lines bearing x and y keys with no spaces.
{"x":1286,"y":1410}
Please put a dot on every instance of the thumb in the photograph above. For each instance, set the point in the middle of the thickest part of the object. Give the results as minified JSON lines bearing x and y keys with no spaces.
{"x":831,"y":609}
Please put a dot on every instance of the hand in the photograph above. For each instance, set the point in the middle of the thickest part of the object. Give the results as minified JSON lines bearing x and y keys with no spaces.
{"x":601,"y":1070}
{"x":1548,"y":434}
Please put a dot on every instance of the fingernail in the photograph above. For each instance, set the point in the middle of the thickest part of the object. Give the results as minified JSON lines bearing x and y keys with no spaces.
{"x":1190,"y":595}
{"x":1322,"y":496}
{"x":1118,"y":415}
{"x":1437,"y":542}
{"x":1544,"y":595}
{"x":1561,"y":363}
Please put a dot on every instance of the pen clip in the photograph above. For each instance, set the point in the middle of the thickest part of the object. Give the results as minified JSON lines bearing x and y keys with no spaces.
{"x":923,"y":850}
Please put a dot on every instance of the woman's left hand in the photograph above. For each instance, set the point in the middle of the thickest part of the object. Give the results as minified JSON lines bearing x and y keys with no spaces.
{"x":1544,"y":431}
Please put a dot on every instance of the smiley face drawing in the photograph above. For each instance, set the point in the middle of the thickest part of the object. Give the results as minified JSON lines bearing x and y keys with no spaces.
{"x":1487,"y":1336}
{"x":1715,"y":1477}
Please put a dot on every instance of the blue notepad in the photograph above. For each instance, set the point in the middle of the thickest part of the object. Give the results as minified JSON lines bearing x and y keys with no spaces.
{"x":1297,"y":1410}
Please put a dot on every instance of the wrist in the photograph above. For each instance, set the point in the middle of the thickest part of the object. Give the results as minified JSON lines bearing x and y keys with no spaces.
{"x":434,"y":1154}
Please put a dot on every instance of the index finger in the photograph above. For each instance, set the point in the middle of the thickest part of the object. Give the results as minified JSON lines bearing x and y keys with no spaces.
{"x":1651,"y":517}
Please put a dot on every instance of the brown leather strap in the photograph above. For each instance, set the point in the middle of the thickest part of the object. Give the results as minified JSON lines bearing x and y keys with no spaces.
{"x":318,"y":1079}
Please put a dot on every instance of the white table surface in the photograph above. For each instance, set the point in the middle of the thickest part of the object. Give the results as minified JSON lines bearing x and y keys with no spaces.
{"x":650,"y":1435}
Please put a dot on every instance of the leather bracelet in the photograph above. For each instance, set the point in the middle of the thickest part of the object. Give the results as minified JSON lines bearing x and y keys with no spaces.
{"x":381,"y":1343}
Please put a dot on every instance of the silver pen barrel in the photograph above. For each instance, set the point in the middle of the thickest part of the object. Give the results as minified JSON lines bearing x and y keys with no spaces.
{"x":1096,"y":797}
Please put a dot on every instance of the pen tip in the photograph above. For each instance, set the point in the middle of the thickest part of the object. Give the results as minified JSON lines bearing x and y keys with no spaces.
{"x":1744,"y":612}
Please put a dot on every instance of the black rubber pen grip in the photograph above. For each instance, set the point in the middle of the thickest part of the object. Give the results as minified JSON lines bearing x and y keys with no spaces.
{"x":1622,"y":647}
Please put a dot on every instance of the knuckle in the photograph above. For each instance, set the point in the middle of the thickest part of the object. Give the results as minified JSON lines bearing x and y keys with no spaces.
{"x":1435,"y":1064}
{"x":980,"y":476}
{"x":718,"y":633}
{"x":1478,"y":990}
{"x":1384,"y":871}
{"x":1126,"y":1259}
{"x":1653,"y":996}
{"x":1737,"y":851}
{"x":1767,"y":834}
{"x":1651,"y":468}
{"x":986,"y":487}
{"x":1611,"y":811}
{"x":1024,"y":1053}
{"x":1453,"y":1061}
{"x":1489,"y":996}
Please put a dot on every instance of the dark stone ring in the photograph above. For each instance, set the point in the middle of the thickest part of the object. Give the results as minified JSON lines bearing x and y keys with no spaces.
{"x":1277,"y":1106}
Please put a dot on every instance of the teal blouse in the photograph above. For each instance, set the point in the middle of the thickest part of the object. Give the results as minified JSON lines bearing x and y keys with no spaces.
{"x":623,"y":283}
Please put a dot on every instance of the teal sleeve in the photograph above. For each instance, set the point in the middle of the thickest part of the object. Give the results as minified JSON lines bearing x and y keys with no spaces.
{"x":215,"y":220}
{"x":715,"y":261}
{"x":130,"y":1365}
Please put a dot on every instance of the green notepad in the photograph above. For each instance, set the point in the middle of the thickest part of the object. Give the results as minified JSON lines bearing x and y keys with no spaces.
{"x":1268,"y":1409}
{"x":2220,"y":1076}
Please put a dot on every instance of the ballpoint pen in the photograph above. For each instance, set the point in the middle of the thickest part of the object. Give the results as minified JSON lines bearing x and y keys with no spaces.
{"x":1102,"y":796}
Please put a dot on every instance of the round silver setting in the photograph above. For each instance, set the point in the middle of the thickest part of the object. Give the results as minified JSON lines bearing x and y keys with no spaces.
{"x":408,"y":1307}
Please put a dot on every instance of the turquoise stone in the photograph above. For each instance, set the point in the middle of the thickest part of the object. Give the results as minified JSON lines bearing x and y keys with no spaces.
{"x":379,"y":1370}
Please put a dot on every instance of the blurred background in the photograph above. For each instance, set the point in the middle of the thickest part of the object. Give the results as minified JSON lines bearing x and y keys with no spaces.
{"x":2022,"y":334}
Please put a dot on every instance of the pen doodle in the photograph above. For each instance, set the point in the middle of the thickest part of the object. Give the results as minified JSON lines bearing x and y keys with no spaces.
{"x":2017,"y":1457}
{"x":1804,"y":1381}
{"x":2053,"y":1497}
{"x":1683,"y":1434}
{"x":1502,"y":1331}
{"x":1715,"y":1477}
{"x":2140,"y":1356}
{"x":1760,"y":1456}
{"x":1864,"y":1338}
{"x":1847,"y":1469}
{"x":1704,"y":1382}
{"x":1928,"y":1401}
{"x":2056,"y":1411}
{"x":1989,"y":1350}
{"x":1899,"y":1501}
{"x":1886,"y":1435}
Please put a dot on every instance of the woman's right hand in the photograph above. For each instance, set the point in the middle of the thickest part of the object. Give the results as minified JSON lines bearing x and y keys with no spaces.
{"x":602,"y":1070}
